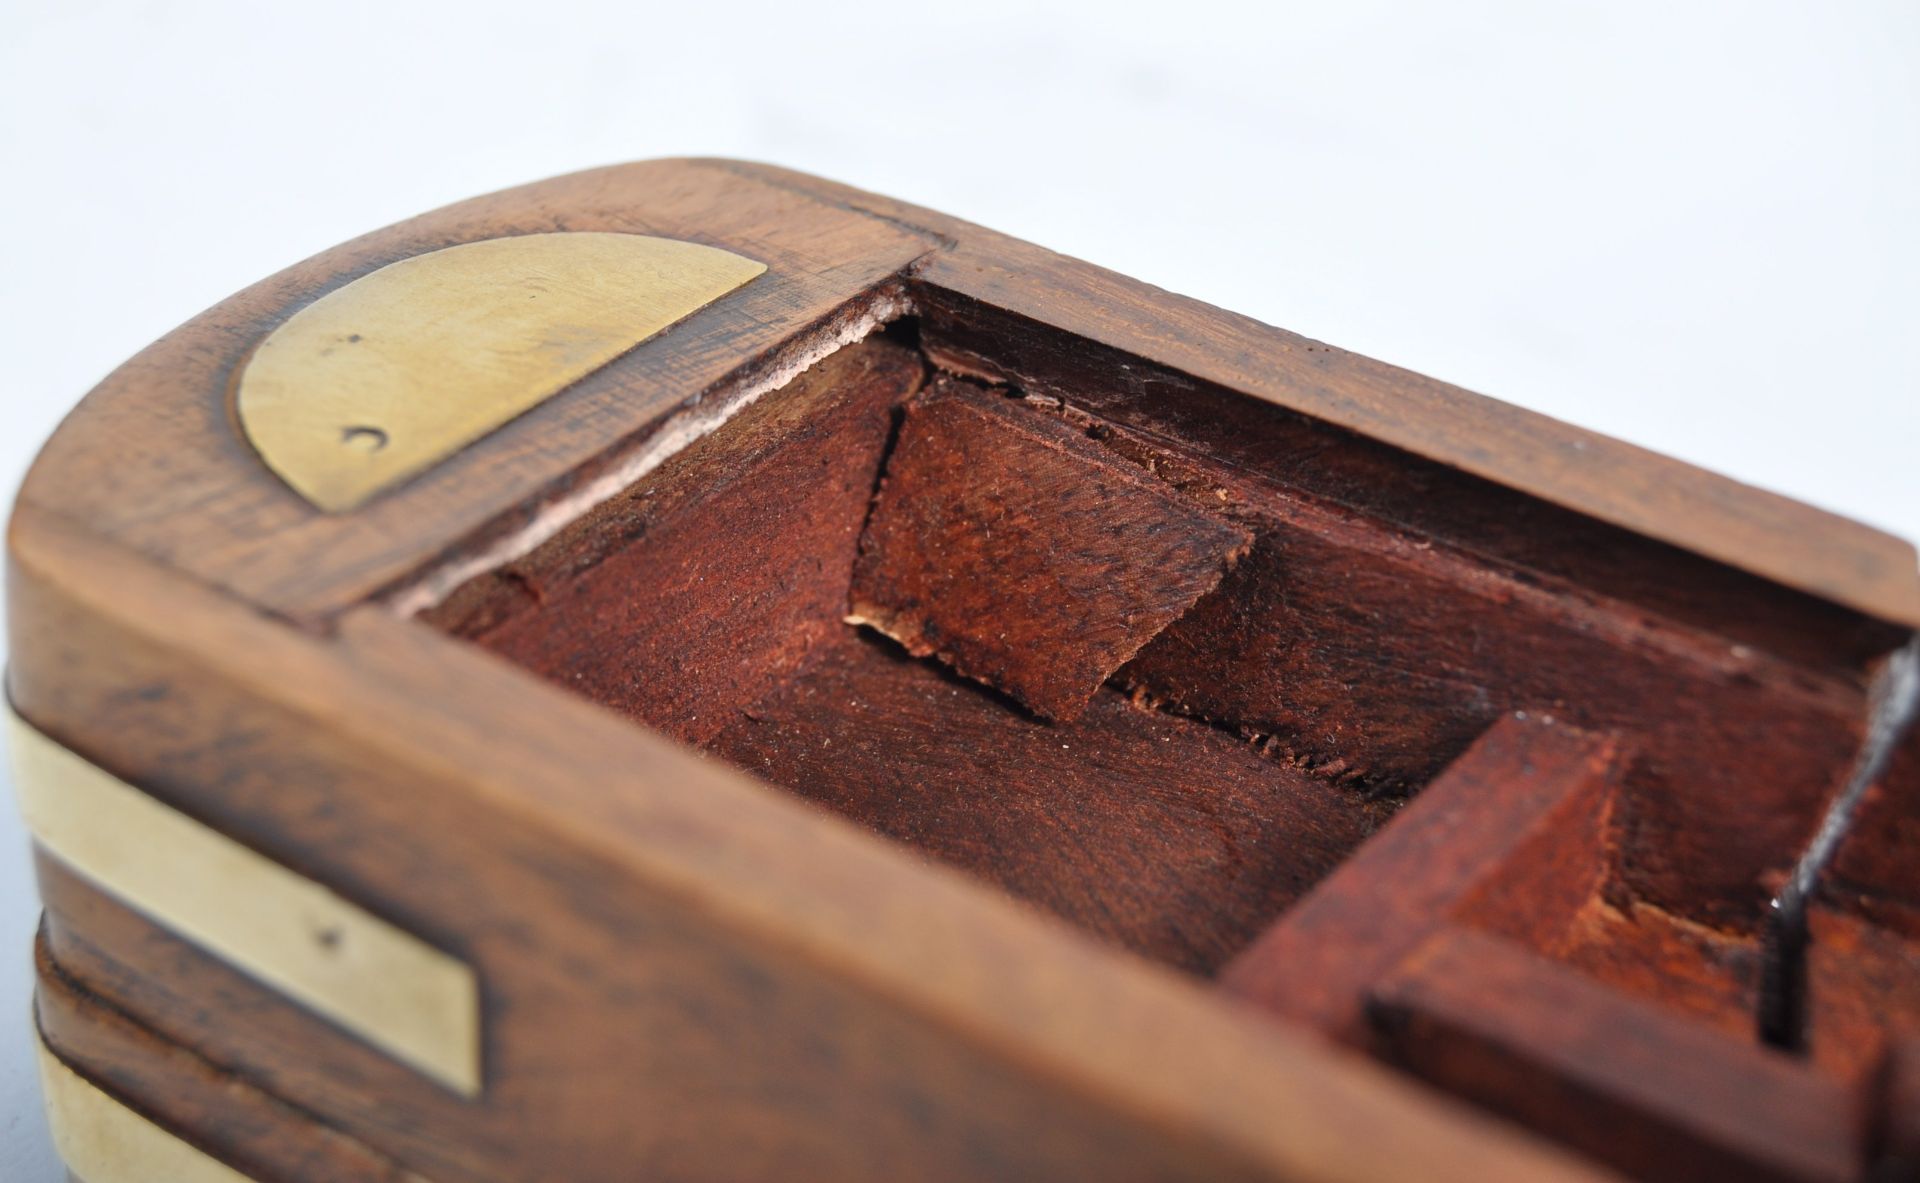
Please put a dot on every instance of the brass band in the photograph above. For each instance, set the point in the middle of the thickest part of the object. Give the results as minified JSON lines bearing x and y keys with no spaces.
{"x":399,"y":994}
{"x":103,"y":1141}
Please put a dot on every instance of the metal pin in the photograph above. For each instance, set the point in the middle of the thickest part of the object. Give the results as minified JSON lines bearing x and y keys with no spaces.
{"x":1782,"y":1015}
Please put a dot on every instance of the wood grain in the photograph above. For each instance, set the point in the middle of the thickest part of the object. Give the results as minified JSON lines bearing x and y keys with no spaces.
{"x":1514,"y":799}
{"x":1874,"y":871}
{"x":679,"y":602}
{"x":923,"y":943}
{"x":757,"y":981}
{"x":1649,"y":495}
{"x":1023,"y":555}
{"x":1166,"y":836}
{"x":1378,"y":657}
{"x":254,"y":1132}
{"x":1656,"y":1097}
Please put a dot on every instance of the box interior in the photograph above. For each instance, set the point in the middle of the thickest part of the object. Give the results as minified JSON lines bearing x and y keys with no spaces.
{"x":1168,"y":662}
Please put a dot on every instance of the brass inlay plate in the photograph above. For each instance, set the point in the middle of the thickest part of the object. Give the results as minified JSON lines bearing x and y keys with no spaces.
{"x":391,"y":989}
{"x":103,"y":1141}
{"x":381,"y":379}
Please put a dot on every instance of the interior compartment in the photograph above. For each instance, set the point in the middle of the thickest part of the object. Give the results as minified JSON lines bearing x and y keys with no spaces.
{"x":710,"y":602}
{"x":1264,"y":702}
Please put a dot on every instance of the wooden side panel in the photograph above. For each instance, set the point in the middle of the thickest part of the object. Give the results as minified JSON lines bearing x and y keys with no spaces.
{"x":259,"y":1135}
{"x":1008,"y":305}
{"x":1383,"y":657}
{"x":1878,"y":869}
{"x":700,"y":1058}
{"x":1654,"y":1095}
{"x":680,"y":601}
{"x":1374,"y":655}
{"x":1172,"y":838}
{"x":683,"y":974}
{"x":1863,"y":986}
{"x":1512,"y":802}
{"x":1025,"y":556}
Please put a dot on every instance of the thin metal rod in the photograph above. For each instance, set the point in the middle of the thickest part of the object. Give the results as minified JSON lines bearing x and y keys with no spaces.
{"x":1895,"y":700}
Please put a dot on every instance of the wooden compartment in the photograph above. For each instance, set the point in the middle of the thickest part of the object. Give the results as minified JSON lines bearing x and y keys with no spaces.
{"x":1252,"y":699}
{"x":712,"y":602}
{"x":939,"y":710}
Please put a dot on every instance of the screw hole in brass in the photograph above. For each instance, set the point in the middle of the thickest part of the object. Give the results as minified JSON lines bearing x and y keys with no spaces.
{"x":363,"y":439}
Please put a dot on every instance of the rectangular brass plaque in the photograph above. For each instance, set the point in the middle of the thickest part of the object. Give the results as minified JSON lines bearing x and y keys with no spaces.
{"x":389,"y":988}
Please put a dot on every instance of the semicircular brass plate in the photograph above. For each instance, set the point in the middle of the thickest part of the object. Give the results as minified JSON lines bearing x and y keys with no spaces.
{"x":381,"y":379}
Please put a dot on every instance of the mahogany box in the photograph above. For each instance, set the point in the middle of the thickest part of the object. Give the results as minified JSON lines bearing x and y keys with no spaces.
{"x":689,"y":671}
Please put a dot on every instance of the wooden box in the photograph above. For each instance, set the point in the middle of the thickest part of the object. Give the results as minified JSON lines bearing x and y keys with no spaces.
{"x":690,"y":671}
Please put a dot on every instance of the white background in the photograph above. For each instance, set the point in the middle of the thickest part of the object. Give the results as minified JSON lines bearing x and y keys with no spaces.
{"x":1692,"y":225}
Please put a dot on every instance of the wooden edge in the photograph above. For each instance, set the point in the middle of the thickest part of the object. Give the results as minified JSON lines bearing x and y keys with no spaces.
{"x":1631,"y":1083}
{"x":1751,"y":529}
{"x":103,"y":1141}
{"x":1526,"y":782}
{"x":1128,"y":1036}
{"x":170,"y":483}
{"x":154,"y":458}
{"x":123,"y":1103}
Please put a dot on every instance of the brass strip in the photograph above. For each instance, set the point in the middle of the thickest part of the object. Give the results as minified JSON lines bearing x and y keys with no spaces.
{"x":103,"y":1141}
{"x":391,"y":989}
{"x":381,"y":379}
